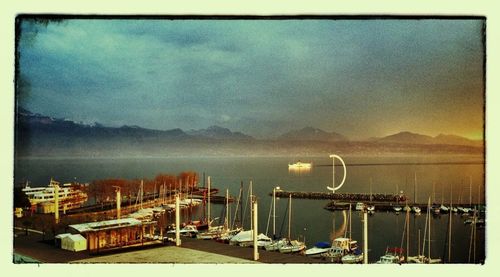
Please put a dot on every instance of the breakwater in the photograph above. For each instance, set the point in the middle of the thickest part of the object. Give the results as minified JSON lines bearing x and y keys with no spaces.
{"x":345,"y":197}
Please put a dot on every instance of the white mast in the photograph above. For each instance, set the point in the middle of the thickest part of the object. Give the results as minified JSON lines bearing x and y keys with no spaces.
{"x":350,"y":222}
{"x":177,"y":221}
{"x":208,"y":206}
{"x":365,"y":236}
{"x":251,"y":205}
{"x":371,"y":183}
{"x":470,"y":191}
{"x":429,"y":220}
{"x":226,"y":223}
{"x":289,"y":216}
{"x":449,"y":230}
{"x":415,"y":188}
{"x":274,"y":212}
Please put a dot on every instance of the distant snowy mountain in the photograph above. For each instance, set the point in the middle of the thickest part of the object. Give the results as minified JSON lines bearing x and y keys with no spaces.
{"x":44,"y":136}
{"x":312,"y":134}
{"x":217,"y":132}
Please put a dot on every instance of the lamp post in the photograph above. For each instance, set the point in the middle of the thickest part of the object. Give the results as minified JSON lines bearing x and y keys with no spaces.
{"x":274,"y":210}
{"x":255,"y":230}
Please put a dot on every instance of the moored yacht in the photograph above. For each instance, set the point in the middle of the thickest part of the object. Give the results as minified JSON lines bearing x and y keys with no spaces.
{"x":70,"y":196}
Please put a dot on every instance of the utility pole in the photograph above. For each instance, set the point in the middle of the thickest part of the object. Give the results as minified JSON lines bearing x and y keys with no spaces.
{"x":118,"y":203}
{"x":365,"y":236}
{"x":255,"y":231}
{"x":56,"y":203}
{"x":177,"y":222}
{"x":208,"y":206}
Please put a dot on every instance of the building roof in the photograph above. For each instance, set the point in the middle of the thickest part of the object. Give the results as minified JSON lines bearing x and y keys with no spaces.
{"x":60,"y":236}
{"x":105,"y":225}
{"x":74,"y":238}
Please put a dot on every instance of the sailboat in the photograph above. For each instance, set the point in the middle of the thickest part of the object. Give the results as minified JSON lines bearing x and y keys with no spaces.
{"x":212,"y":232}
{"x":342,"y":246}
{"x":422,"y":259}
{"x":318,"y":249}
{"x":416,"y":209}
{"x":392,"y":256}
{"x":276,"y":243}
{"x":356,"y":255}
{"x":443,"y":208}
{"x":227,"y":233}
{"x":291,"y":245}
{"x":397,"y":208}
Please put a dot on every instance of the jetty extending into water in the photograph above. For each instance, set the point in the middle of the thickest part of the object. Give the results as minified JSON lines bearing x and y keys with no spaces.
{"x":380,"y":202}
{"x":344,"y":197}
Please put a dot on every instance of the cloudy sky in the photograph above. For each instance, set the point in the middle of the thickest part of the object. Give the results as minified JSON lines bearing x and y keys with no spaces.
{"x":360,"y":78}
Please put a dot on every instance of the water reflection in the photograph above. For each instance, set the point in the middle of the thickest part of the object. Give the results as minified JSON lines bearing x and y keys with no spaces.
{"x":336,"y":233}
{"x":300,"y":168}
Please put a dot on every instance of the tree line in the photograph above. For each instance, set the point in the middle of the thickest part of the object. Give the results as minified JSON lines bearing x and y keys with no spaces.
{"x":104,"y":190}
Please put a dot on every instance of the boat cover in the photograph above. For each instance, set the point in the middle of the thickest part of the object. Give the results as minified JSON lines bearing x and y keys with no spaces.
{"x":323,"y":244}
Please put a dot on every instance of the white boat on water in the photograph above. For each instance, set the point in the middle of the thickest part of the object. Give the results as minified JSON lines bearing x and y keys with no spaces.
{"x":70,"y":196}
{"x":318,"y":249}
{"x":275,"y":245}
{"x":340,"y":248}
{"x":227,"y":235}
{"x":397,"y":208}
{"x":292,"y":246}
{"x":360,"y":206}
{"x":422,"y":259}
{"x":211,"y":233}
{"x":392,"y":256}
{"x":145,"y":214}
{"x":463,"y":210}
{"x":190,"y":202}
{"x":416,"y":209}
{"x":300,"y":165}
{"x":245,"y":239}
{"x":188,"y":230}
{"x":444,"y":209}
{"x":355,"y":257}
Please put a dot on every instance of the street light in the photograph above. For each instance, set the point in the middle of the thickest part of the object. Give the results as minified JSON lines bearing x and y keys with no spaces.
{"x":274,"y":210}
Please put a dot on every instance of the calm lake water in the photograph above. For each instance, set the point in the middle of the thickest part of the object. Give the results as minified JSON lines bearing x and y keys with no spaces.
{"x":309,"y":218}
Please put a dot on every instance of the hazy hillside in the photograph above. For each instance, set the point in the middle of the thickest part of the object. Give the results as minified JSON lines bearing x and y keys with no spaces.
{"x":412,"y":138}
{"x":313,"y":134}
{"x":41,"y":136}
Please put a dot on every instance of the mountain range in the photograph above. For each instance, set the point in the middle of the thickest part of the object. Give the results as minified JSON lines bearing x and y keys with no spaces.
{"x":41,"y":135}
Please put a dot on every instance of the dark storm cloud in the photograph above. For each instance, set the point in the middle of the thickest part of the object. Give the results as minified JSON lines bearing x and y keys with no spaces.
{"x":357,"y":77}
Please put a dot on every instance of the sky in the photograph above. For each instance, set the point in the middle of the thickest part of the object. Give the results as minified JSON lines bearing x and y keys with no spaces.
{"x":360,"y":78}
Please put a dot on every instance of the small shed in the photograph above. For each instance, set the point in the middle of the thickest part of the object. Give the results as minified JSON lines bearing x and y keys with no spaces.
{"x":58,"y":239}
{"x":74,"y":243}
